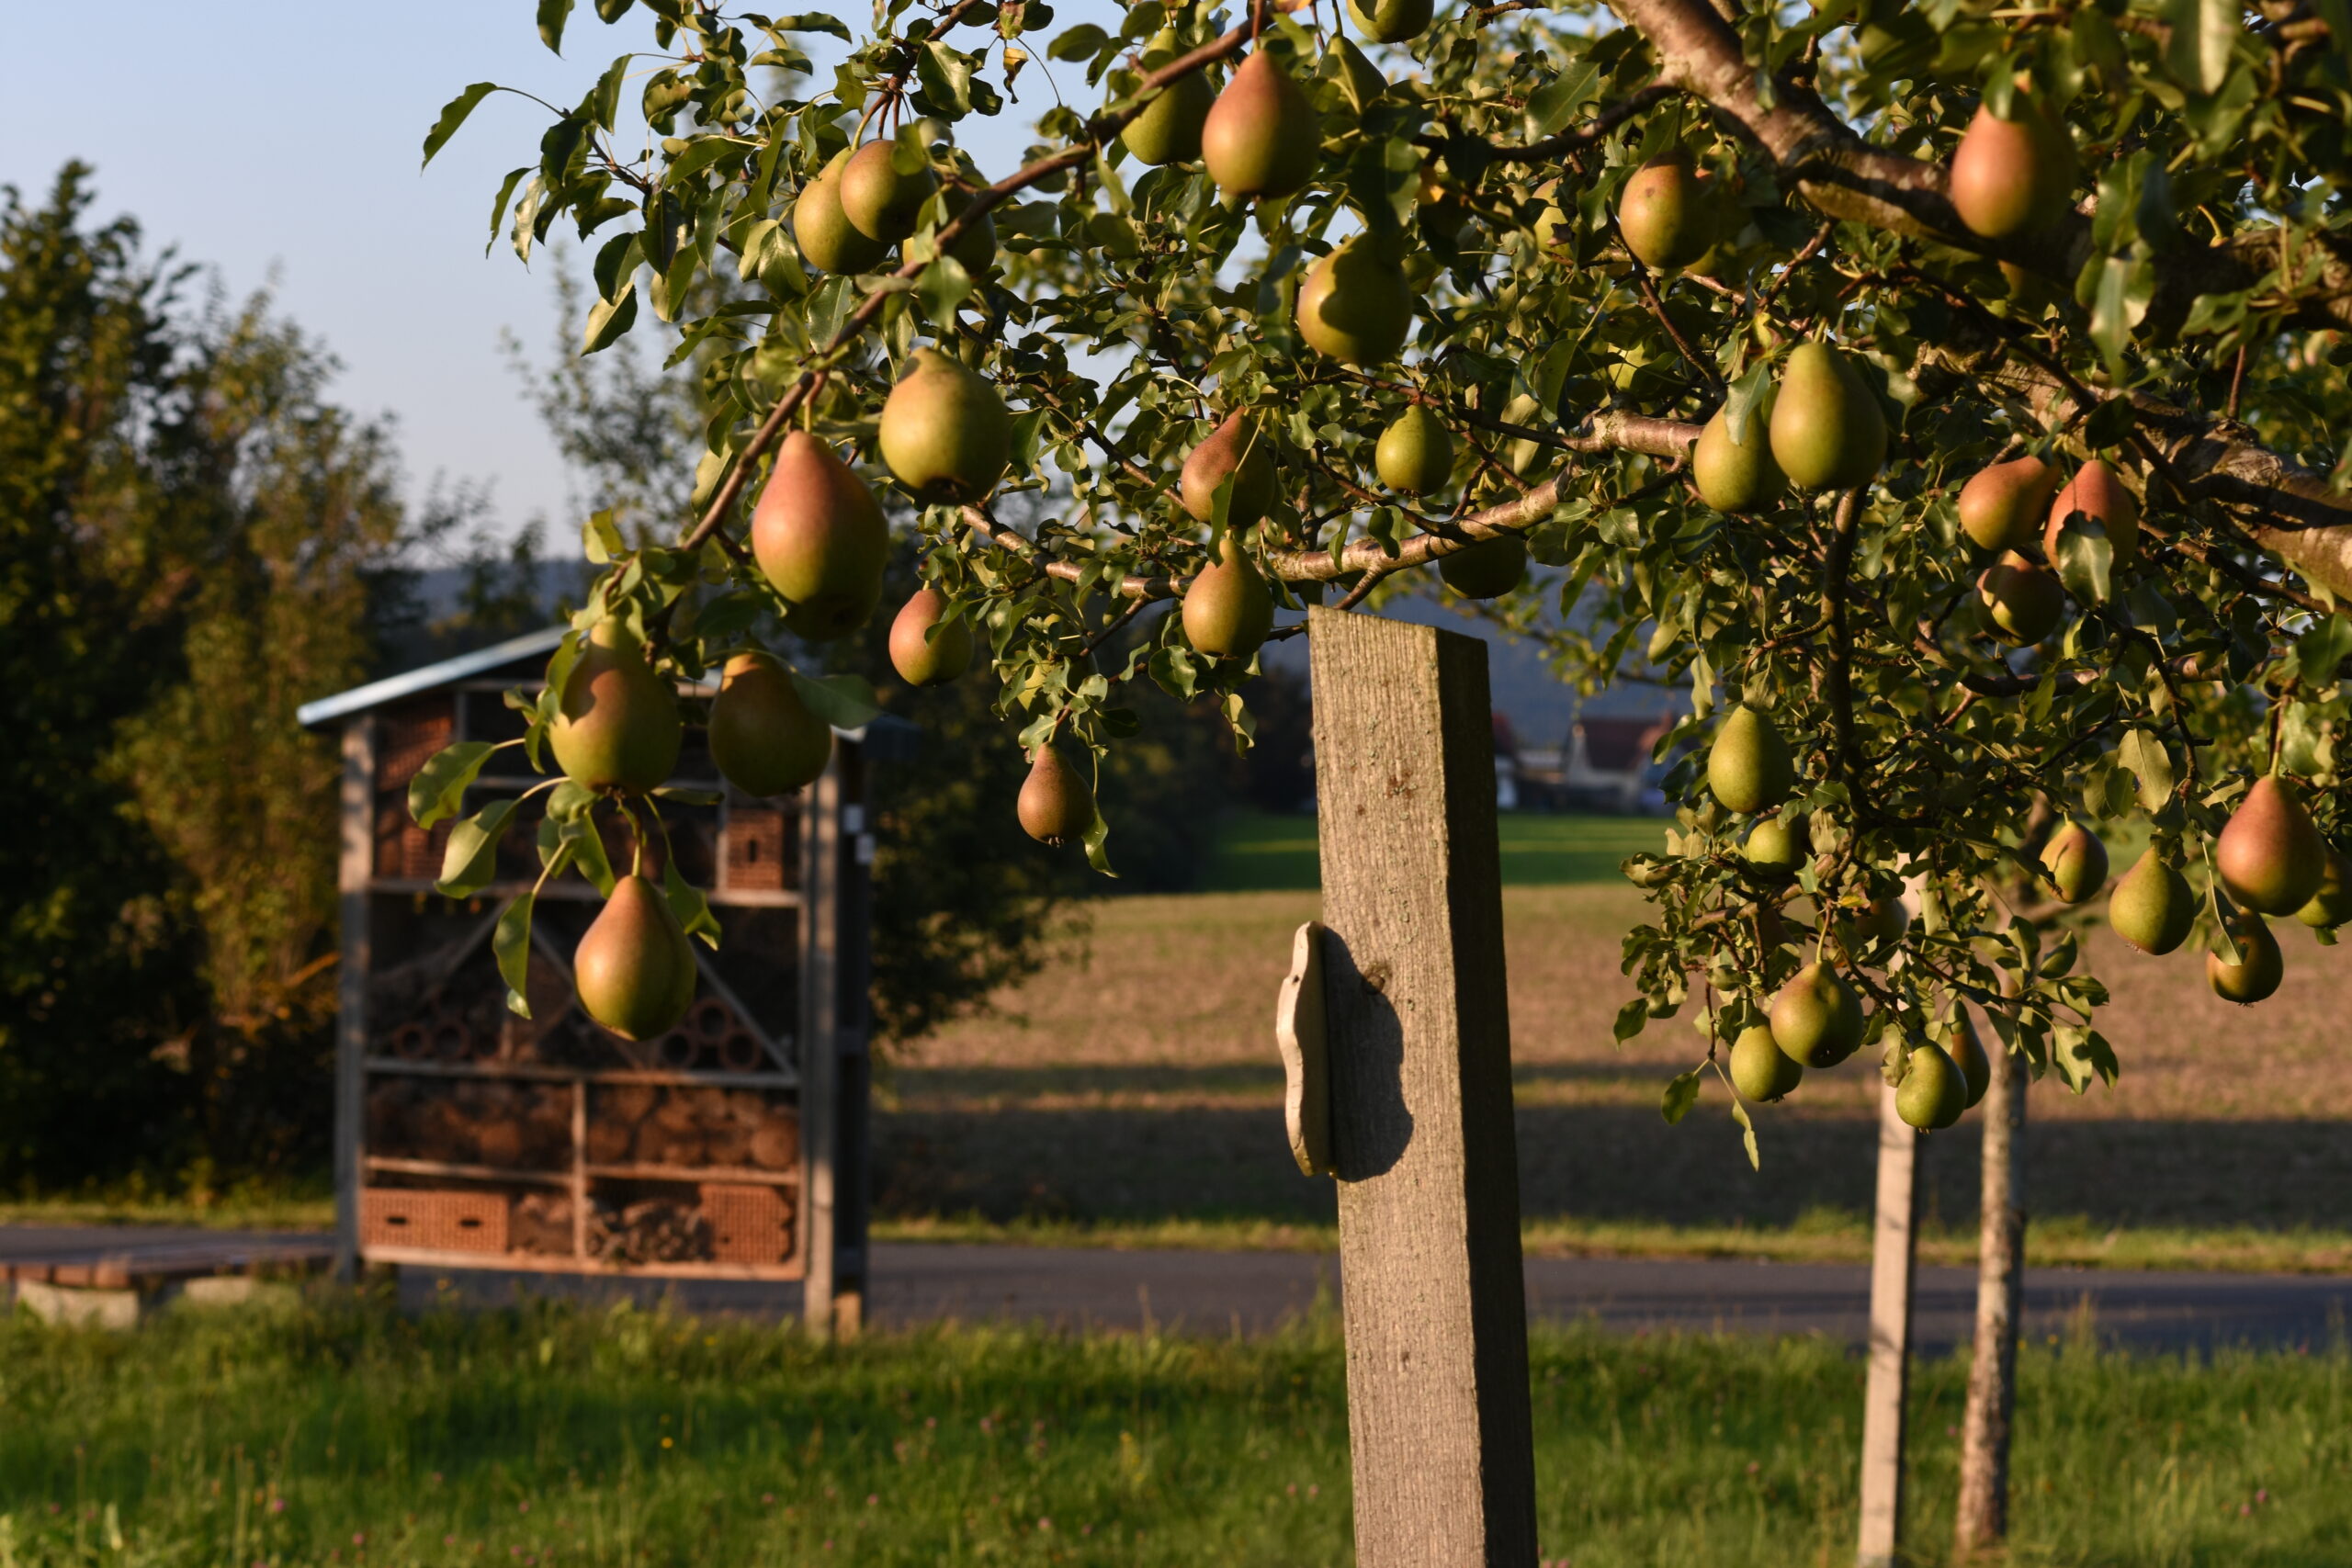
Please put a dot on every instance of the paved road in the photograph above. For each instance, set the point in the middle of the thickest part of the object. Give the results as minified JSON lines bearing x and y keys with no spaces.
{"x":1251,"y":1293}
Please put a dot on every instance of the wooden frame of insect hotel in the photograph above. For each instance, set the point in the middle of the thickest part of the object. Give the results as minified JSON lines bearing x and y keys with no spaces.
{"x":469,"y":1137}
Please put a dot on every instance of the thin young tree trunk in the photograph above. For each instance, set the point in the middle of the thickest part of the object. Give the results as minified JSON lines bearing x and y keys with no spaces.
{"x":1984,"y":1520}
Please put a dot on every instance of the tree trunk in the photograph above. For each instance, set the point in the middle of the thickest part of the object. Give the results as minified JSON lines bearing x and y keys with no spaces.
{"x":1893,"y":1253}
{"x":1983,"y":1519}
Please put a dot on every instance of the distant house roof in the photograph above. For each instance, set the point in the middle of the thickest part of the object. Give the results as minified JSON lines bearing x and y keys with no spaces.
{"x":408,"y":683}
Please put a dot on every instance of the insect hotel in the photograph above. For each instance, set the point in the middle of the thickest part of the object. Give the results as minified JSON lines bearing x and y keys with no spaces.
{"x":733,"y":1147}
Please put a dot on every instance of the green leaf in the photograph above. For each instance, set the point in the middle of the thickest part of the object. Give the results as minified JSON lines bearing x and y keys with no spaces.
{"x":553,"y":14}
{"x":811,"y":22}
{"x":439,"y":788}
{"x":2203,"y":33}
{"x":1681,"y":1092}
{"x":845,"y":702}
{"x":1747,"y":1135}
{"x":452,"y":115}
{"x":511,"y":942}
{"x":946,"y":78}
{"x":2120,"y":291}
{"x":498,"y":207}
{"x":610,"y":319}
{"x":1098,"y":836}
{"x":942,"y":285}
{"x":471,"y":862}
{"x":2085,"y":560}
{"x":685,"y":796}
{"x":2150,"y":764}
{"x":1083,"y":41}
{"x":2110,"y":425}
{"x":1557,"y":102}
{"x":1739,"y":404}
{"x":612,"y":10}
{"x":1632,"y":1019}
{"x":686,"y":902}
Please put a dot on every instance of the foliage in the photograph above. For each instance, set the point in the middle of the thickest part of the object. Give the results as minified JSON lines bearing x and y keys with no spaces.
{"x":197,"y":541}
{"x":624,"y":1436}
{"x":2182,"y":324}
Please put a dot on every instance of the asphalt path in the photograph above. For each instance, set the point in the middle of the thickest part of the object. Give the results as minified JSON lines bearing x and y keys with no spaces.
{"x":1078,"y":1288}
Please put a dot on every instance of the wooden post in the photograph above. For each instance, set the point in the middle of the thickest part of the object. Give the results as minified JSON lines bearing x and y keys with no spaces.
{"x":820,"y":864}
{"x":1422,"y":1130}
{"x":852,"y":1033}
{"x":1893,"y":1252}
{"x":354,"y":868}
{"x":1984,"y":1515}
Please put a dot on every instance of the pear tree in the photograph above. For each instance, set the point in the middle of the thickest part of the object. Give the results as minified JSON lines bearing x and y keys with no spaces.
{"x":1949,"y":396}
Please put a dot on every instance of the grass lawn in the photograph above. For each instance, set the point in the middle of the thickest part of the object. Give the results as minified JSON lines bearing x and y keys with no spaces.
{"x":337,"y":1432}
{"x":1258,"y":852}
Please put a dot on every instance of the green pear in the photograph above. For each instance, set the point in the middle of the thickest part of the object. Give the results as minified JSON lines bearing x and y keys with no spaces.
{"x":2152,"y":906}
{"x":1748,"y":767}
{"x":2001,"y":504}
{"x":2258,"y":977}
{"x":1228,"y":609}
{"x":1169,"y":128}
{"x":1827,"y":429}
{"x":2098,"y":492}
{"x":1415,"y":455}
{"x":2021,"y":601}
{"x":1968,"y":1054}
{"x":2269,"y":856}
{"x":762,"y":737}
{"x":1238,"y":448}
{"x":1055,"y":806}
{"x":633,"y":969}
{"x":1262,"y":137}
{"x":879,"y":202}
{"x":821,"y":541}
{"x":1933,"y":1094}
{"x":617,"y":724}
{"x":924,"y":657}
{"x":1355,"y":305}
{"x":2075,"y":862}
{"x":1879,"y":924}
{"x":2012,"y":177}
{"x":2332,"y":905}
{"x":1391,"y":21}
{"x":975,"y":247}
{"x":1487,"y":570}
{"x":1761,"y":1071}
{"x":1817,"y":1018}
{"x":945,"y":431}
{"x":1738,"y":476}
{"x":1777,"y":847}
{"x":826,"y":238}
{"x":1668,"y":212}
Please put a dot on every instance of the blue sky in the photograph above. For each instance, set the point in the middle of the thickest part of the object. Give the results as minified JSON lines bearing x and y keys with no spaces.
{"x":277,"y":140}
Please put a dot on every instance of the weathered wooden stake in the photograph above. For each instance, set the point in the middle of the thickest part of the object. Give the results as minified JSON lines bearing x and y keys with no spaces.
{"x":1421,"y":1131}
{"x":1983,"y":1514}
{"x":1894,"y":1251}
{"x":820,"y":1006}
{"x":355,"y":864}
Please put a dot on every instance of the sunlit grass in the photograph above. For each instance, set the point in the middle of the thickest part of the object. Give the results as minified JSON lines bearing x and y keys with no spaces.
{"x":339,"y":1432}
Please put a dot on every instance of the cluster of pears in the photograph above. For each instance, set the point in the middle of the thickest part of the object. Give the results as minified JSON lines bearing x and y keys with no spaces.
{"x":869,"y":198}
{"x":1228,"y":608}
{"x":2272,"y":861}
{"x":1819,"y":428}
{"x":2006,"y":507}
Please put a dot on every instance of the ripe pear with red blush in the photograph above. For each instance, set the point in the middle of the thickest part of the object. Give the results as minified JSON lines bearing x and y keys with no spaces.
{"x":2257,"y":978}
{"x":634,"y":968}
{"x":2075,"y":862}
{"x":2098,"y":492}
{"x":1056,"y":804}
{"x":616,"y":723}
{"x":819,"y":539}
{"x":2012,"y":177}
{"x":2001,"y":506}
{"x":1237,"y":446}
{"x":1262,"y":138}
{"x":2270,"y":856}
{"x":926,"y":648}
{"x":1668,"y":212}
